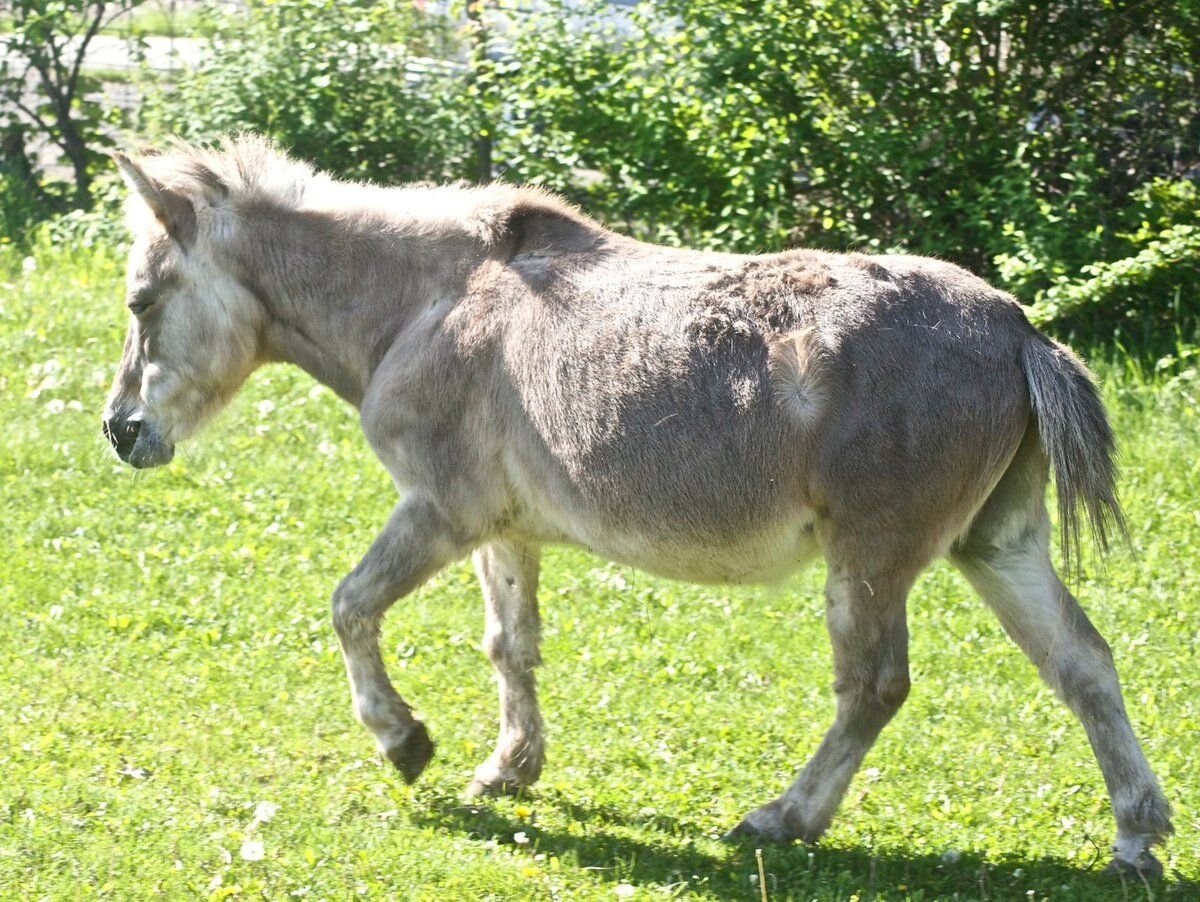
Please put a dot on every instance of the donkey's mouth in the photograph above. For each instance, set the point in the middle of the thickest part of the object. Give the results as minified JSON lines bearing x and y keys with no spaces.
{"x":150,"y":449}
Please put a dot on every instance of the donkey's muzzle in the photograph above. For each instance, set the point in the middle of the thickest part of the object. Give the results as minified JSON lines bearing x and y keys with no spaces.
{"x":122,"y":434}
{"x":137,"y":441}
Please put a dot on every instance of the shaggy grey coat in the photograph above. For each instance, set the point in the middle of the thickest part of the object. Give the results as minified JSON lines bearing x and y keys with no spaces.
{"x":527,"y":376}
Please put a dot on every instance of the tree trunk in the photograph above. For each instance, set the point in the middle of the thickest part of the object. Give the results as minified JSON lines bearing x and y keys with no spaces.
{"x":481,"y":78}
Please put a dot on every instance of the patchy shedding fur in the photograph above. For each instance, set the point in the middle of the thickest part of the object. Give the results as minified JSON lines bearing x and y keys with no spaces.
{"x":528,"y":377}
{"x":799,"y":374}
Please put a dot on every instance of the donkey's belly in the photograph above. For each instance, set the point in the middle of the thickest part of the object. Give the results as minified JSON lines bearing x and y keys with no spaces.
{"x":734,"y":512}
{"x":763,"y":558}
{"x":762,"y":555}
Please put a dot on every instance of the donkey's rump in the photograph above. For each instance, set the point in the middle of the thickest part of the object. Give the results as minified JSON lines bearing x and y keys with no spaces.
{"x":930,"y":398}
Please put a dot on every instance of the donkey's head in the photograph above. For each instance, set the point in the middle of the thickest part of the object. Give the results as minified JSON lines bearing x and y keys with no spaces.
{"x":194,"y":326}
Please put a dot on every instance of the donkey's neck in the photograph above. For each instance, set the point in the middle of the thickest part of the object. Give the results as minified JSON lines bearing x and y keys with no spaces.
{"x":339,"y":288}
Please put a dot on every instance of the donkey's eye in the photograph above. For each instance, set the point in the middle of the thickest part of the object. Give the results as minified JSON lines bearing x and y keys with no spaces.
{"x":140,"y":303}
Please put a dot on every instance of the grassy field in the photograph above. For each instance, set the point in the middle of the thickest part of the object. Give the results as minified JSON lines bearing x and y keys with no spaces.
{"x":176,"y":721}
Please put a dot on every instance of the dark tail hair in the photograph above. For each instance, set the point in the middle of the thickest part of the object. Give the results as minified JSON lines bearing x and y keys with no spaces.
{"x":1078,"y":441}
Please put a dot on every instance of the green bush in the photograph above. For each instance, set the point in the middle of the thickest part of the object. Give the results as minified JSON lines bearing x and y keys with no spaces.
{"x":100,"y":227}
{"x":626,"y":118}
{"x":1154,"y":276}
{"x":331,"y":81}
{"x":1037,"y":144}
{"x":20,"y":207}
{"x":47,"y":91}
{"x":1014,"y":139}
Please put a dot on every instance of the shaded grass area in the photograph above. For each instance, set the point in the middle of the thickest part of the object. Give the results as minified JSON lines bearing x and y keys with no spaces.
{"x":168,"y":667}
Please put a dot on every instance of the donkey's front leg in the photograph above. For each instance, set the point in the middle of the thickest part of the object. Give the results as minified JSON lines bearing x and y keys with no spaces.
{"x":508,"y":573}
{"x":418,"y":540}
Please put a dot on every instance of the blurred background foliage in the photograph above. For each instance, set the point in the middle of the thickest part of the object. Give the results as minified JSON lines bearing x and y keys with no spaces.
{"x":1053,"y":147}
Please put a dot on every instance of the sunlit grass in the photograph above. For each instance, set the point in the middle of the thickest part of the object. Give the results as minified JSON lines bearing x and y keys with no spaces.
{"x":168,"y":667}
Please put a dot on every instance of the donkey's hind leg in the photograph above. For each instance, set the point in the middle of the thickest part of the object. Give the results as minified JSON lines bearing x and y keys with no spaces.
{"x":508,"y":573}
{"x":1006,"y":558}
{"x":865,"y":616}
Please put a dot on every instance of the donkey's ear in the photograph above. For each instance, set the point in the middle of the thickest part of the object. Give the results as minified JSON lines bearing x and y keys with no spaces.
{"x":170,"y":208}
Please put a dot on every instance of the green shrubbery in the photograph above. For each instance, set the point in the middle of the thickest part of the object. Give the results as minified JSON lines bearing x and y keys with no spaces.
{"x":47,"y":90}
{"x":20,"y":206}
{"x":1042,"y":145}
{"x":1051,"y":147}
{"x":325,"y":79}
{"x":1153,"y":272}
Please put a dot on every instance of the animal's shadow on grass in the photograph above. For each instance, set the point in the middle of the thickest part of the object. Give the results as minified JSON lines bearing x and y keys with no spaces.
{"x":667,"y":852}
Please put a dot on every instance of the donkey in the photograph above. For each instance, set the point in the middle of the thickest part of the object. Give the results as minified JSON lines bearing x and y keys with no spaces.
{"x":527,"y":376}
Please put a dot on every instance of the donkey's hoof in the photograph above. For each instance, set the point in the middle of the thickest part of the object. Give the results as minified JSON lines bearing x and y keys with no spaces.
{"x":742,"y":831}
{"x":494,"y":788}
{"x":1146,"y":865}
{"x":763,"y":825}
{"x":412,"y":753}
{"x":494,"y":779}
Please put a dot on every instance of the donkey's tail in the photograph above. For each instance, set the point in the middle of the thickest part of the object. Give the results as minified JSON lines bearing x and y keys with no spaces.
{"x":1077,"y":440}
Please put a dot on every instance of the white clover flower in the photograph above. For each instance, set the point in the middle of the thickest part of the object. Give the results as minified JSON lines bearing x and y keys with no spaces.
{"x":264,"y":811}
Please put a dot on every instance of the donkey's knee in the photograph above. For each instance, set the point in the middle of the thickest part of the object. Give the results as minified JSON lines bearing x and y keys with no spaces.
{"x":890,"y":690}
{"x":352,"y":623}
{"x":1069,"y":652}
{"x":512,"y":651}
{"x":1085,"y":677}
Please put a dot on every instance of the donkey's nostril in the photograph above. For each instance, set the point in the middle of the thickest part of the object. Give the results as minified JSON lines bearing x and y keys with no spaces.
{"x":122,"y":434}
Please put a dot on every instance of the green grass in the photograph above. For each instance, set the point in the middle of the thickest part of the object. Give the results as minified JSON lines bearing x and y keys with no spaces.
{"x":168,"y":665}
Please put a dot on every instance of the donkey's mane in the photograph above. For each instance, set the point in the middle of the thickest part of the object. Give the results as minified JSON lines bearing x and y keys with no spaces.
{"x":247,"y":168}
{"x":242,"y":167}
